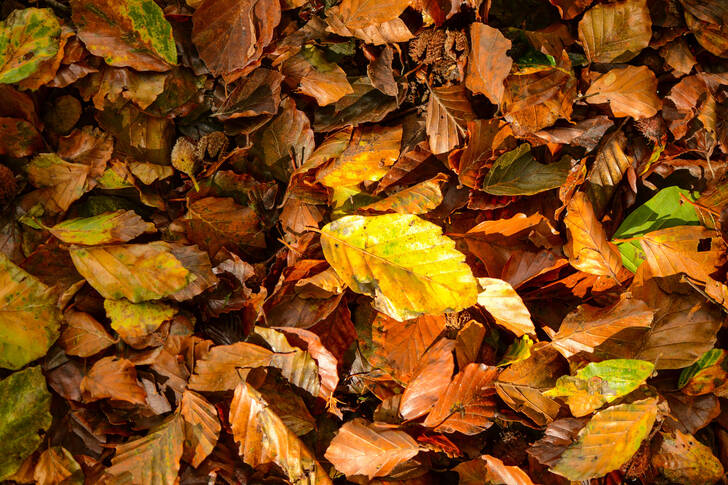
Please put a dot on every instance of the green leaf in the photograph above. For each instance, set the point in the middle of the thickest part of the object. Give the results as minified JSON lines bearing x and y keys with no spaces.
{"x":24,"y":412}
{"x":29,"y":316}
{"x":518,"y":173}
{"x":519,"y":350}
{"x":404,"y":262}
{"x":137,"y":272}
{"x":665,"y":209}
{"x":27,"y":38}
{"x":131,"y":33}
{"x":133,"y":321}
{"x":599,"y":383}
{"x":608,"y":440}
{"x":110,"y":227}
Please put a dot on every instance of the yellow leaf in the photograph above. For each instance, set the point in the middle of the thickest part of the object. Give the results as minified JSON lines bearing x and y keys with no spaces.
{"x":504,"y":304}
{"x":404,"y":262}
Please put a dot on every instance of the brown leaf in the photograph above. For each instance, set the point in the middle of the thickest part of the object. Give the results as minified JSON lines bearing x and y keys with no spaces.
{"x":430,"y":379}
{"x":570,"y":8}
{"x":630,"y":91}
{"x":325,"y":81}
{"x":521,"y":384}
{"x":223,"y":367}
{"x":83,"y":336}
{"x":468,"y":342}
{"x":201,"y":427}
{"x":263,"y":439}
{"x":615,"y":32}
{"x":506,"y":307}
{"x":113,"y":378}
{"x":589,"y":326}
{"x":607,"y":172}
{"x":468,"y":403}
{"x":214,"y":223}
{"x":489,"y":65}
{"x":418,"y":199}
{"x":398,"y":346}
{"x":255,"y":95}
{"x":357,"y":14}
{"x":389,"y":32}
{"x":488,"y":139}
{"x":381,"y":74}
{"x":587,"y":247}
{"x":361,"y":449}
{"x":492,"y":470}
{"x":558,"y":436}
{"x":56,"y":466}
{"x":230,"y":35}
{"x":448,"y":113}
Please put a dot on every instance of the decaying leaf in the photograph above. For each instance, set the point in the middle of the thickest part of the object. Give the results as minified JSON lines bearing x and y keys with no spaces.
{"x":683,"y":459}
{"x":28,"y":37}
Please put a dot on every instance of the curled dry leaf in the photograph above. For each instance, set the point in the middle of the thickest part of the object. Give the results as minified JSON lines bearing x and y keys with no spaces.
{"x":359,"y":448}
{"x":201,"y":427}
{"x":493,"y":470}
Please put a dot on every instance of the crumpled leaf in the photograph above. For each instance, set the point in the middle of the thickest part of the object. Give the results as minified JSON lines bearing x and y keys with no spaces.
{"x":223,"y":367}
{"x":386,"y":257}
{"x":24,"y":414}
{"x":615,"y":32}
{"x":506,"y":307}
{"x":29,"y":316}
{"x":608,"y":440}
{"x":325,"y":81}
{"x":201,"y":427}
{"x":361,"y":449}
{"x":263,"y":438}
{"x":28,"y":37}
{"x":599,"y":383}
{"x":130,"y":33}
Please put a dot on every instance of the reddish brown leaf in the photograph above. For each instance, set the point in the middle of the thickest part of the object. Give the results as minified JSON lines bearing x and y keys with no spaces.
{"x":430,"y":379}
{"x":113,"y":378}
{"x":489,"y":65}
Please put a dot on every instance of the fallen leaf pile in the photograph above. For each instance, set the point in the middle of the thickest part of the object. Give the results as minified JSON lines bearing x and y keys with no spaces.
{"x":404,"y":242}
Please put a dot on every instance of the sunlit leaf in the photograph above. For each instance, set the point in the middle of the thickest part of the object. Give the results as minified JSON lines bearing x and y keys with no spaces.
{"x":223,"y":367}
{"x":29,"y":316}
{"x":588,"y":326}
{"x":24,"y":414}
{"x":599,"y":383}
{"x":587,"y":246}
{"x":56,"y":465}
{"x":263,"y":439}
{"x":430,"y":379}
{"x":506,"y":307}
{"x":608,"y":440}
{"x":402,"y":261}
{"x":630,"y":91}
{"x":492,"y":470}
{"x":489,"y":64}
{"x":418,"y":199}
{"x":130,"y":33}
{"x":28,"y":37}
{"x":361,"y":449}
{"x":468,"y":403}
{"x":357,"y":14}
{"x":137,"y":272}
{"x":110,"y":227}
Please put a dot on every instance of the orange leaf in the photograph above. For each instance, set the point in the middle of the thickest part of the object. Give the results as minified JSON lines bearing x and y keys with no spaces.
{"x":489,"y":65}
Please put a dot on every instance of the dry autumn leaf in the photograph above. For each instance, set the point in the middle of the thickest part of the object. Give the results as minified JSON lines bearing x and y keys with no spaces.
{"x":630,"y":91}
{"x":489,"y":62}
{"x":615,"y":32}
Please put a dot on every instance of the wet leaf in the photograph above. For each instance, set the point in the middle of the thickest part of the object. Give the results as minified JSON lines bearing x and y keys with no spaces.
{"x":29,"y":316}
{"x":130,"y":33}
{"x":594,"y":454}
{"x":383,"y":255}
{"x":24,"y":415}
{"x":359,"y":448}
